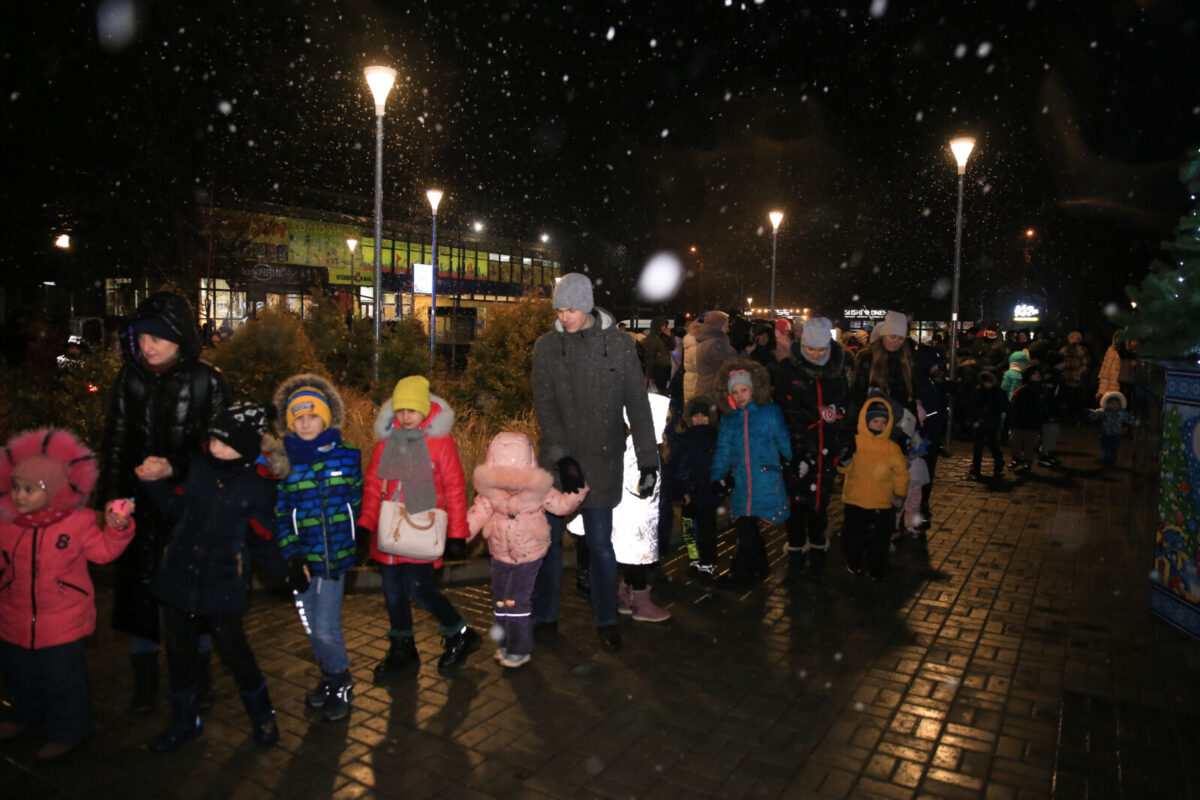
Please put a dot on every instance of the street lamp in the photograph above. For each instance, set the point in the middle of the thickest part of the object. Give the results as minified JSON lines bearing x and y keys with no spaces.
{"x":435,"y":197}
{"x":380,"y":79}
{"x":961,"y":148}
{"x":353,"y":243}
{"x":776,"y":218}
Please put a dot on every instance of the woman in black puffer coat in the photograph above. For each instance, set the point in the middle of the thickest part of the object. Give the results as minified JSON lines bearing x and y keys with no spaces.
{"x":161,"y":406}
{"x":812,"y":391}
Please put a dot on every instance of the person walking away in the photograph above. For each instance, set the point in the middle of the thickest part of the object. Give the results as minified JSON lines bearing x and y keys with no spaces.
{"x":224,"y":512}
{"x":319,"y":498}
{"x":713,"y":349}
{"x":752,"y":448}
{"x":691,"y":444}
{"x":1029,"y":411}
{"x":876,"y":485}
{"x":160,"y":408}
{"x":47,"y":603}
{"x":986,"y":406}
{"x":415,"y":461}
{"x":513,"y":496}
{"x":812,"y":391}
{"x":1114,"y":419}
{"x":586,"y":378}
{"x":1017,"y":362}
{"x":657,"y":350}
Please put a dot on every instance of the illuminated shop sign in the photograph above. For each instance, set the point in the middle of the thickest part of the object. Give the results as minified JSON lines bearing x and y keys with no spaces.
{"x":864,"y":313}
{"x":1024,"y":312}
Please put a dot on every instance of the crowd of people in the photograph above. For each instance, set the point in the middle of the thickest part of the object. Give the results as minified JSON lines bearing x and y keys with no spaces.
{"x":764,"y":429}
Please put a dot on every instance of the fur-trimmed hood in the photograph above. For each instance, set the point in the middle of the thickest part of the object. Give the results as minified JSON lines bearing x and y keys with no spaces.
{"x":758,"y":375}
{"x":509,"y":477}
{"x":1110,"y":396}
{"x":337,"y":409}
{"x":439,"y":422}
{"x":54,"y":444}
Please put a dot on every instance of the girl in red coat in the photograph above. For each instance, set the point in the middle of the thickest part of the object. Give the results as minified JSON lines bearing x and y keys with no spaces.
{"x":46,"y":598}
{"x":416,"y":461}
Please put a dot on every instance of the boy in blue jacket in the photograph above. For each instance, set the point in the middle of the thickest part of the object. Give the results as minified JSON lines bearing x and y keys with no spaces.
{"x":320,"y":495}
{"x":753,"y":445}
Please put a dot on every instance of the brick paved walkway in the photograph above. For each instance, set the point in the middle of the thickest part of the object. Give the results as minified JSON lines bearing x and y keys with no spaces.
{"x":1017,"y":660}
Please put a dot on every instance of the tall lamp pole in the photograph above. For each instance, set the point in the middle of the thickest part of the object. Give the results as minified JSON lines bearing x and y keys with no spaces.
{"x":380,"y":79}
{"x":353,"y":243}
{"x":776,"y":218}
{"x":961,"y":148}
{"x":435,"y":197}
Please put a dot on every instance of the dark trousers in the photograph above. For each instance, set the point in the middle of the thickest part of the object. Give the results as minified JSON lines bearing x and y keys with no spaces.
{"x":990,"y":439}
{"x":705,"y":532}
{"x":666,"y":521}
{"x":931,"y":459}
{"x":402,"y":580}
{"x":183,"y":631}
{"x":512,"y":593}
{"x":865,"y":536}
{"x":1108,"y":448}
{"x":49,"y":685}
{"x":806,"y":526}
{"x":751,"y":555}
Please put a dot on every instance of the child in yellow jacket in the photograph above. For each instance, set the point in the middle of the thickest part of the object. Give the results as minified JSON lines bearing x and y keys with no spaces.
{"x":876,"y":485}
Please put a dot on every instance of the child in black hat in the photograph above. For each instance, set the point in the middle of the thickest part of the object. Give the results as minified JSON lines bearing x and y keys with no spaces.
{"x":224,"y":512}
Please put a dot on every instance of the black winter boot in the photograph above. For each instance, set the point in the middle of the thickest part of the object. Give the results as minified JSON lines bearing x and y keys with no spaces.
{"x":816,"y":564}
{"x":316,"y":698}
{"x":458,"y":647}
{"x":401,"y":656}
{"x":185,"y":722}
{"x":262,"y":715}
{"x":341,"y":692}
{"x":204,"y":690}
{"x":145,"y":682}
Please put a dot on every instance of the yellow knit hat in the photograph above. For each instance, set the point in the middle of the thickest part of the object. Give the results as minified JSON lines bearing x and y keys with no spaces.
{"x":411,"y":392}
{"x":308,"y":400}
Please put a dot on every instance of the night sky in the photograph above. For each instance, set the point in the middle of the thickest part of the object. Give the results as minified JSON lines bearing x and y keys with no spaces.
{"x":625,"y":128}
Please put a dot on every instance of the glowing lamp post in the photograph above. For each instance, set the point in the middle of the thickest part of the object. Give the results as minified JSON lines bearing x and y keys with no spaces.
{"x":435,"y":197}
{"x":776,"y":218}
{"x":380,"y":79}
{"x":961,"y":148}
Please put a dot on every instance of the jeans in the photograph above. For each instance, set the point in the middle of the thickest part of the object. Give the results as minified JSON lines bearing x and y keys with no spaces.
{"x":512,"y":587}
{"x":141,"y":646}
{"x":49,"y":685}
{"x":401,"y":580}
{"x":602,"y":567}
{"x":320,"y":611}
{"x":183,"y":631}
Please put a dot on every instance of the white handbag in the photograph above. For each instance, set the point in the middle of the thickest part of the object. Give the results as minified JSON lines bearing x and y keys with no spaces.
{"x":420,"y":536}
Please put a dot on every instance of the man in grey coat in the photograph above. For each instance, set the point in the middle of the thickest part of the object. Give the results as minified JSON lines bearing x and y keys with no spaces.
{"x":585,"y":374}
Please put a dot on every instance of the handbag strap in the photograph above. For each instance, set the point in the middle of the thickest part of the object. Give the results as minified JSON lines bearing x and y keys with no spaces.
{"x":414,"y":523}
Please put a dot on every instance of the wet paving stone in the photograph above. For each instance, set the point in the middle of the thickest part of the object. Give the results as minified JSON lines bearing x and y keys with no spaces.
{"x":1015,"y":657}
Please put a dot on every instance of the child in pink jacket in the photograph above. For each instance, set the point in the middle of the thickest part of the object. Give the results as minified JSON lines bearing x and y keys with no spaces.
{"x":47,"y":604}
{"x":512,"y":498}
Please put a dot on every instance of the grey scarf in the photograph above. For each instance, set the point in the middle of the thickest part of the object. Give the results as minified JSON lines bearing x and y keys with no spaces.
{"x":406,"y":459}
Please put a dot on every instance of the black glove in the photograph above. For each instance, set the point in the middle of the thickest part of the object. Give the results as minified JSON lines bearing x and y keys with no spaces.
{"x":296,"y":577}
{"x":456,"y":550}
{"x":570,"y":474}
{"x":647,"y":481}
{"x":723,"y":486}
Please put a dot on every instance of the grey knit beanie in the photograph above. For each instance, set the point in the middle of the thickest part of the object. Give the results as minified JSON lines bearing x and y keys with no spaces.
{"x":574,"y":291}
{"x":817,"y":333}
{"x":894,"y":324}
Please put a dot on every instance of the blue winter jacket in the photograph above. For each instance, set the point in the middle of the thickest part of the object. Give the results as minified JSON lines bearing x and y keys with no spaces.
{"x":751,"y":443}
{"x":318,"y":503}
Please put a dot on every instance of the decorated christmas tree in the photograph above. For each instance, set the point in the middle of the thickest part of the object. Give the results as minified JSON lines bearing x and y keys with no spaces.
{"x":1167,"y":303}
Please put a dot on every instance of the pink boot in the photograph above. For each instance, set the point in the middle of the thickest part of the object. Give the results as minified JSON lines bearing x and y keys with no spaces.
{"x":644,"y":609}
{"x":625,"y":598}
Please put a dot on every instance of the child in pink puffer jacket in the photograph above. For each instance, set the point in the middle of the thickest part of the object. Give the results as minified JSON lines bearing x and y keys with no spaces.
{"x":512,"y":497}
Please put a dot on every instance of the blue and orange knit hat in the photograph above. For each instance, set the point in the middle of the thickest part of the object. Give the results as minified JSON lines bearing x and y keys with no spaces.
{"x":308,"y":400}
